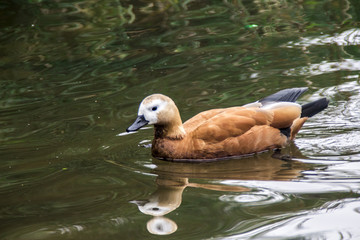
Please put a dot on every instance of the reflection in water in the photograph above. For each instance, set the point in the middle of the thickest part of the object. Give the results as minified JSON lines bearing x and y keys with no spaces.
{"x":173,"y":178}
{"x":165,"y":199}
{"x":333,"y":220}
{"x":161,"y":226}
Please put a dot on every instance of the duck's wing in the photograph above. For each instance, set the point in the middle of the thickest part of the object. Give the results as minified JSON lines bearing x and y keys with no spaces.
{"x":236,"y":121}
{"x":269,"y":102}
{"x":231,"y":122}
{"x":200,"y":118}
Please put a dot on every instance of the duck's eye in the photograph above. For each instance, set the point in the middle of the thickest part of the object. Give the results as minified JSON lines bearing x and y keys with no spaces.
{"x":154,"y":108}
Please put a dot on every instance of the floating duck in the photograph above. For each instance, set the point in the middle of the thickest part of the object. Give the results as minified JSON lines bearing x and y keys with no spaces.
{"x":269,"y":123}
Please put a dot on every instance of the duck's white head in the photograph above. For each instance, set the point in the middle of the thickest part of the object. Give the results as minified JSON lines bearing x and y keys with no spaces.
{"x":157,"y":109}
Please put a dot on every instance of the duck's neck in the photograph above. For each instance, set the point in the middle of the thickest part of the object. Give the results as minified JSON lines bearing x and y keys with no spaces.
{"x":170,"y":125}
{"x":174,"y":131}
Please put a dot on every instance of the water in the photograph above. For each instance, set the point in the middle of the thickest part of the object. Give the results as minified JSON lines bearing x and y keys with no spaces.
{"x":72,"y":74}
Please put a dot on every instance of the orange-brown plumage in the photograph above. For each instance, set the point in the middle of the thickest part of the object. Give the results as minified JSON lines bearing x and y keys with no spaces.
{"x":220,"y":133}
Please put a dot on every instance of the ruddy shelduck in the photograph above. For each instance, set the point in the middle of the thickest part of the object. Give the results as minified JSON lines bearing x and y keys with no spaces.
{"x":225,"y":132}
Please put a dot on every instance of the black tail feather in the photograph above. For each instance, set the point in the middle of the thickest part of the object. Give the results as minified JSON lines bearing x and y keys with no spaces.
{"x":312,"y":108}
{"x":286,"y":95}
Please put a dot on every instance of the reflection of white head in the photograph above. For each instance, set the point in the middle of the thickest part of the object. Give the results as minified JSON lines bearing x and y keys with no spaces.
{"x":153,"y":208}
{"x":161,"y":226}
{"x":164,"y":200}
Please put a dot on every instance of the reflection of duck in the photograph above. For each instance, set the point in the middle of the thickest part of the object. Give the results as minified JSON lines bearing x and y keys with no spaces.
{"x":167,"y":198}
{"x":173,"y":178}
{"x":218,"y":133}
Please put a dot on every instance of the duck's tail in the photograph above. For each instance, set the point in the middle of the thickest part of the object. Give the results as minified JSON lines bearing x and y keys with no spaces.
{"x":308,"y":110}
{"x":312,"y":108}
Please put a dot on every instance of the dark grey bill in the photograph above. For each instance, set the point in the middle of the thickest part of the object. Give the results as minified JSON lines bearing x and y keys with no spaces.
{"x":139,"y":122}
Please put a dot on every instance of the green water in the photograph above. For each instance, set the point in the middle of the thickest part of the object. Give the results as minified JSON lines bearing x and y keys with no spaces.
{"x":72,"y":74}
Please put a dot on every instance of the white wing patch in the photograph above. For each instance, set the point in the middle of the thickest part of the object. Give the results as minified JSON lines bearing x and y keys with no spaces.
{"x":276,"y":105}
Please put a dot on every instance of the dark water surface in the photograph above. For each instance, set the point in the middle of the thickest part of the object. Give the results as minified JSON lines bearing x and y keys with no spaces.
{"x":72,"y":74}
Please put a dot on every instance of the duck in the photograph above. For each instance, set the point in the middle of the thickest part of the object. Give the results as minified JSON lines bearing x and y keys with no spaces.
{"x":269,"y":123}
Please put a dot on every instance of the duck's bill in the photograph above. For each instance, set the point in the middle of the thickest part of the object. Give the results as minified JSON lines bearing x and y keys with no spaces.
{"x":139,"y":122}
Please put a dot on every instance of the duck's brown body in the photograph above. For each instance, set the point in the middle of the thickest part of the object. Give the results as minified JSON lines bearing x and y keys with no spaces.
{"x":228,"y":132}
{"x":220,"y":133}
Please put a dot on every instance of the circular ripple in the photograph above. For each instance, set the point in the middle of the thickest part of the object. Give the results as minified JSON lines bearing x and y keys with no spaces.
{"x":260,"y":197}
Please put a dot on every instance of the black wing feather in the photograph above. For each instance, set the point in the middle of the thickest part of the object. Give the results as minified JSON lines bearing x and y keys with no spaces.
{"x":286,"y":95}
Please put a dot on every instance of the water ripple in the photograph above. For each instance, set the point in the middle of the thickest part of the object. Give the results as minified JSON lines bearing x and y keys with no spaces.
{"x":335,"y":132}
{"x":345,"y":174}
{"x":286,"y":187}
{"x":256,"y":198}
{"x":337,"y":222}
{"x":346,"y":38}
{"x":324,"y":67}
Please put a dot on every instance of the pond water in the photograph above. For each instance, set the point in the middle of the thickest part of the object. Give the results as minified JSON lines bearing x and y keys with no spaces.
{"x":72,"y":74}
